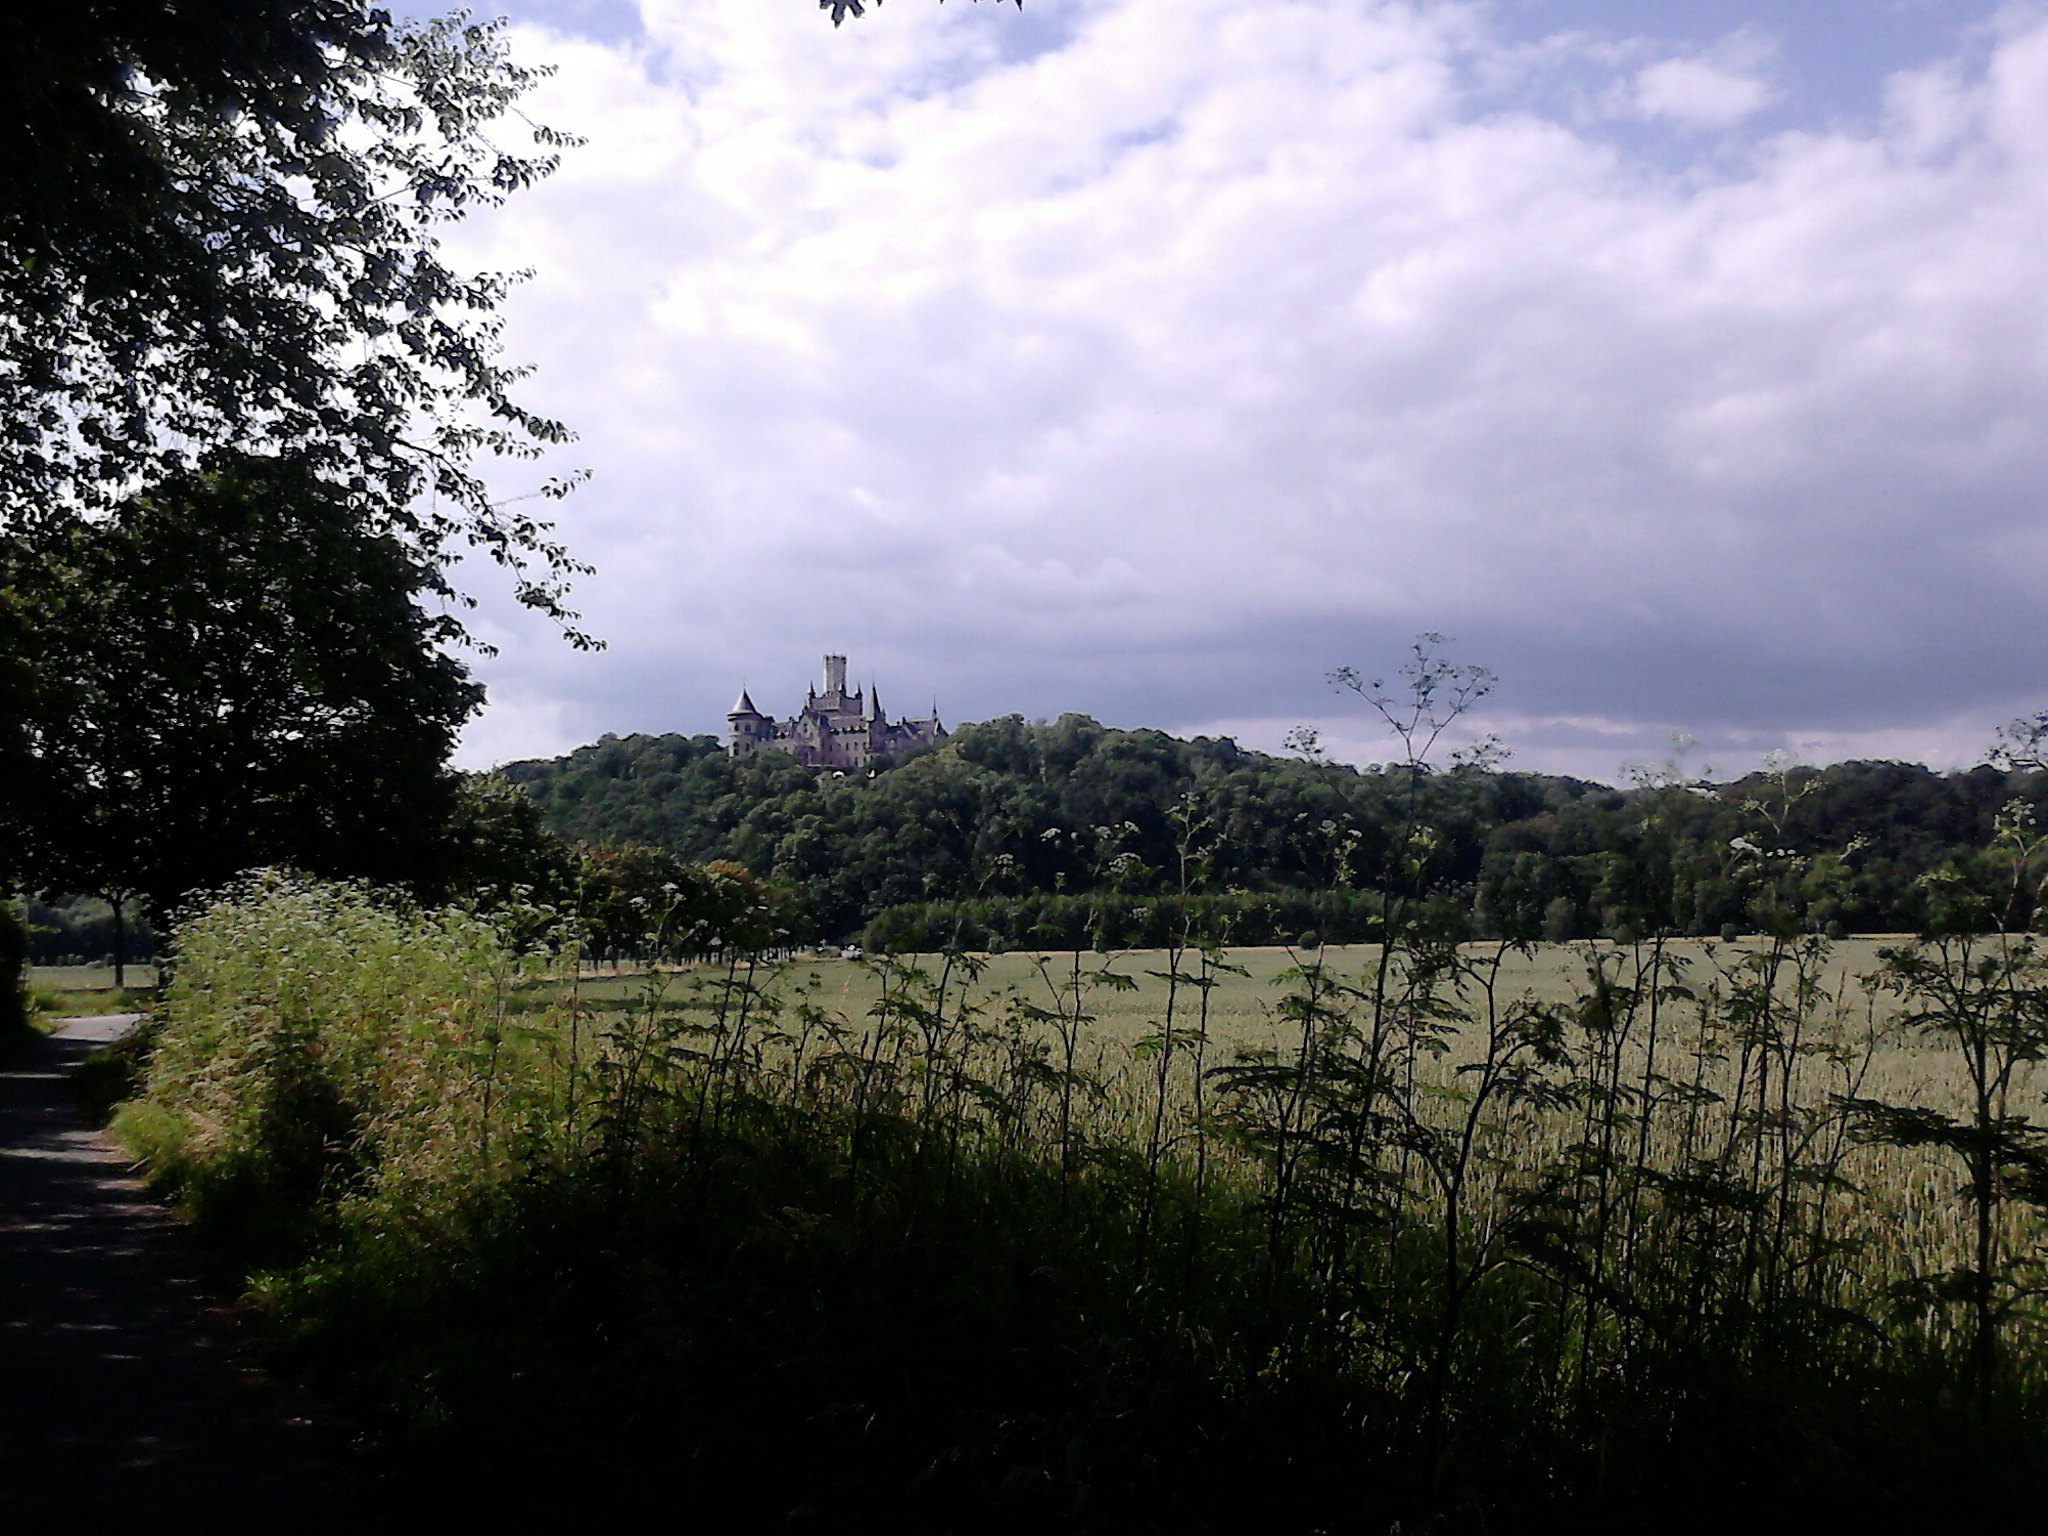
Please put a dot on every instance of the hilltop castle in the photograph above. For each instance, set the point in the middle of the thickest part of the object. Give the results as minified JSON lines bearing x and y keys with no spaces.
{"x":835,"y":729}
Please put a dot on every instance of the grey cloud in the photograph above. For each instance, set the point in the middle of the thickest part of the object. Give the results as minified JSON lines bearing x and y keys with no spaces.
{"x":1039,"y":417}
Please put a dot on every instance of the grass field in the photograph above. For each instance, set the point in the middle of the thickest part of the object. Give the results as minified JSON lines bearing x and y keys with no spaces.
{"x":81,"y":991}
{"x":1241,"y":1007}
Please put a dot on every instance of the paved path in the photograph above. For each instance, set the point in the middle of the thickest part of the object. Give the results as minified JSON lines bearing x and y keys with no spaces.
{"x":128,"y":1392}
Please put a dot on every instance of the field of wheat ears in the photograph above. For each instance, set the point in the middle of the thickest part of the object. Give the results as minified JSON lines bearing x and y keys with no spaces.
{"x":1464,"y":1237}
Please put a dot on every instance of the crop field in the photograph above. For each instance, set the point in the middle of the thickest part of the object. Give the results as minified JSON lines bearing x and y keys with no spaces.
{"x":1242,"y":1003}
{"x":1898,"y":1202}
{"x":1853,"y":1020}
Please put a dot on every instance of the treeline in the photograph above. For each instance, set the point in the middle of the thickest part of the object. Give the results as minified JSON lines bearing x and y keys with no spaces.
{"x":229,"y":672}
{"x":1111,"y":920}
{"x":1020,"y":834}
{"x":80,"y":930}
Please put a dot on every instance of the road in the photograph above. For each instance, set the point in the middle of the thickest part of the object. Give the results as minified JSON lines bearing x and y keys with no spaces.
{"x":129,"y":1390}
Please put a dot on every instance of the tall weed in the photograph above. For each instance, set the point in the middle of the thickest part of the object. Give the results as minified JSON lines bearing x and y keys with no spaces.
{"x":1449,"y":1254}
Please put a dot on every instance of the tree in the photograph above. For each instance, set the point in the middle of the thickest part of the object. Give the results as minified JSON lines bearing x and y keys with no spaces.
{"x":233,"y":670}
{"x":497,"y":852}
{"x":14,"y":957}
{"x":637,"y":901}
{"x":841,"y":8}
{"x":217,"y":227}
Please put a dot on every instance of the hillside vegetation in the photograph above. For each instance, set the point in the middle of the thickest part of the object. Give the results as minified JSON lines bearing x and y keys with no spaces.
{"x":1016,"y":834}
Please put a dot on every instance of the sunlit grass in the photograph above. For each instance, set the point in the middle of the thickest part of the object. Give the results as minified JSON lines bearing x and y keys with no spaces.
{"x":1241,"y":1006}
{"x":85,"y":986}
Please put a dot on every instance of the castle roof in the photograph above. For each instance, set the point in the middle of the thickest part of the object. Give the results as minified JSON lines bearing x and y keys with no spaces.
{"x":744,"y":707}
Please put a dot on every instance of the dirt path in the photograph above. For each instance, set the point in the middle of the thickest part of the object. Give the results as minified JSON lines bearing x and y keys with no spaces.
{"x":127,"y":1391}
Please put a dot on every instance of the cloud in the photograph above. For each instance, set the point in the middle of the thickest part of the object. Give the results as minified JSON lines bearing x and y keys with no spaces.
{"x":1717,"y":89}
{"x":1696,"y":92}
{"x":1157,"y":368}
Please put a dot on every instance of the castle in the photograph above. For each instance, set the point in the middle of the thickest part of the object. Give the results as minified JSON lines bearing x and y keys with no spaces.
{"x":835,"y":729}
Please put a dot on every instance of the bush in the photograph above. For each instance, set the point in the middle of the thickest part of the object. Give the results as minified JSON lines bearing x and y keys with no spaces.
{"x":314,"y":1049}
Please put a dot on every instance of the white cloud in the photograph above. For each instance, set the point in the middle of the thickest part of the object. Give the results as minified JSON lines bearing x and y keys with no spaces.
{"x":1220,"y":343}
{"x":1716,"y":89}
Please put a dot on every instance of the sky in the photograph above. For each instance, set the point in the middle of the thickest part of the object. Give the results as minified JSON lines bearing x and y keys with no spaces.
{"x":1684,"y":365}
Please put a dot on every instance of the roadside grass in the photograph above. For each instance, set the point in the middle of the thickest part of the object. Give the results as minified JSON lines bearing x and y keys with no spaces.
{"x":58,"y":992}
{"x":54,"y":1004}
{"x":113,"y":1074}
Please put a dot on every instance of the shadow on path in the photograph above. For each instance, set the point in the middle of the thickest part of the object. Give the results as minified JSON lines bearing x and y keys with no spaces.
{"x":127,"y":1391}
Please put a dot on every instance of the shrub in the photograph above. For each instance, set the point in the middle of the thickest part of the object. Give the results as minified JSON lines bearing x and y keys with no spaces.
{"x":317,"y":1042}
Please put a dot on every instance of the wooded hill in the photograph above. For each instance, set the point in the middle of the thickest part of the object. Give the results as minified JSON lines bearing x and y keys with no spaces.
{"x":1020,"y":833}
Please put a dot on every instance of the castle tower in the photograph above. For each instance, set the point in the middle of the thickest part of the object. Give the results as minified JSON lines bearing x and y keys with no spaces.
{"x":748,"y":730}
{"x":835,"y":675}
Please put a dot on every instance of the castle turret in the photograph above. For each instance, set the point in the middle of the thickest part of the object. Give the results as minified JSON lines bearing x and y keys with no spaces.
{"x":835,"y":674}
{"x":747,"y":729}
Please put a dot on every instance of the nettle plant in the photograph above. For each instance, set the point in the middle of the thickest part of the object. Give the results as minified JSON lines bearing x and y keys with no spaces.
{"x":1975,"y":987}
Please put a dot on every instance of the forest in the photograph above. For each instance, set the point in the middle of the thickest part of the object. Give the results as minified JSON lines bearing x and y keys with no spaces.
{"x":1022,"y":834}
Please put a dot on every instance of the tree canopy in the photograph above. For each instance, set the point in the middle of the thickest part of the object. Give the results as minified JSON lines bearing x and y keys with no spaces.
{"x":218,"y":235}
{"x":1074,"y":825}
{"x":231,"y":670}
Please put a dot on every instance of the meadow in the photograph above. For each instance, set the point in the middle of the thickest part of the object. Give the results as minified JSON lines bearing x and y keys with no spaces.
{"x":75,"y":991}
{"x":1461,"y":1237}
{"x":1242,"y":1007}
